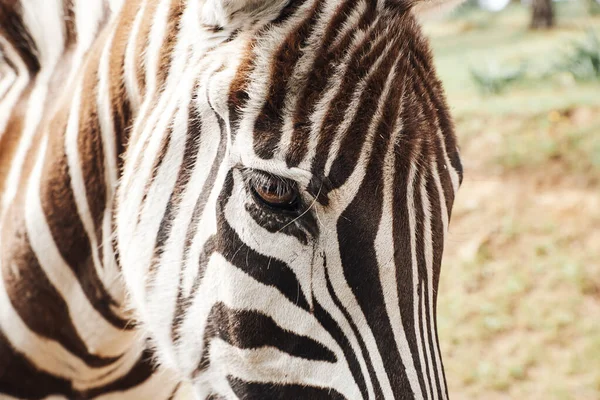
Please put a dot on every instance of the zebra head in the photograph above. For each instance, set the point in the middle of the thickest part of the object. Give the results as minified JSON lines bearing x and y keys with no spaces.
{"x":285,"y":196}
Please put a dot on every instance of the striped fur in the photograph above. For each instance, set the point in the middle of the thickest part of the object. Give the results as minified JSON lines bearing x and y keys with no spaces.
{"x":136,"y":259}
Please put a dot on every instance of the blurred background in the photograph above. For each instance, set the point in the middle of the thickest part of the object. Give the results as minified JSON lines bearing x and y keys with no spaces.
{"x":519,"y":299}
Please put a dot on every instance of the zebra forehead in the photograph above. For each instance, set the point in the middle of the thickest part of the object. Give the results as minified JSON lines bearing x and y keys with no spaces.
{"x":323,"y":76}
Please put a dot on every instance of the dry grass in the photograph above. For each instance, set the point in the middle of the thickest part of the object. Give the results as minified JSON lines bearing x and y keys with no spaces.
{"x":519,"y":303}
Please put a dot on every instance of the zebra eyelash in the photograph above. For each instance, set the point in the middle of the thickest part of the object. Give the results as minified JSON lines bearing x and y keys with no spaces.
{"x":257,"y":178}
{"x":297,"y":221}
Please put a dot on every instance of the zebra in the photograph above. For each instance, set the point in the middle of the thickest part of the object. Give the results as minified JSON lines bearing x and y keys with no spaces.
{"x":221,"y":199}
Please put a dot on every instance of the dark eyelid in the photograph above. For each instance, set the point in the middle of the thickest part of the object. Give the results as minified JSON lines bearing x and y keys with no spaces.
{"x":258,"y":177}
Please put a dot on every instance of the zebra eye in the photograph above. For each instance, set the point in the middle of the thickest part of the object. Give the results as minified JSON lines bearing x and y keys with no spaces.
{"x":275,"y":192}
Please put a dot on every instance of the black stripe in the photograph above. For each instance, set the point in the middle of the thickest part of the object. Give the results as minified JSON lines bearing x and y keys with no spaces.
{"x":174,"y":392}
{"x":249,"y":329}
{"x":406,"y":148}
{"x":270,"y":391}
{"x":353,"y":141}
{"x":359,"y":339}
{"x":437,"y":232}
{"x":182,"y":302}
{"x":15,"y":31}
{"x":140,"y":373}
{"x":267,"y":270}
{"x":357,"y":233}
{"x":331,"y":326}
{"x":190,"y":156}
{"x":20,"y":378}
{"x":437,"y":111}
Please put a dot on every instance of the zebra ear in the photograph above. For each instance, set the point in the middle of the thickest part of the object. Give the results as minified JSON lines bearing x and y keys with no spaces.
{"x":433,"y":8}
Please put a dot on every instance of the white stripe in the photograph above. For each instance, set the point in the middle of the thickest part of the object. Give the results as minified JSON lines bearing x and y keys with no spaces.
{"x":110,"y":274}
{"x":228,"y":284}
{"x":159,"y":386}
{"x":155,"y":43}
{"x":267,"y":364}
{"x":326,"y":101}
{"x":412,"y":222}
{"x":427,"y":239}
{"x":322,"y":295}
{"x":45,"y":23}
{"x":149,"y":111}
{"x":384,"y":247}
{"x":162,"y":297}
{"x":444,"y":212}
{"x":348,"y":192}
{"x":440,"y":189}
{"x":88,"y":16}
{"x":453,"y":173}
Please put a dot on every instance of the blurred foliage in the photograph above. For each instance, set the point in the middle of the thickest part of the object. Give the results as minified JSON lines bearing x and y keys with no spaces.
{"x":582,"y":61}
{"x":467,"y":7}
{"x":495,"y":79}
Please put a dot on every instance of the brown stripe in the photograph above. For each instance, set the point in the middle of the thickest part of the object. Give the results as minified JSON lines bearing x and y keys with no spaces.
{"x":170,"y":40}
{"x":119,"y":102}
{"x":13,"y":28}
{"x":10,"y":138}
{"x":70,"y":23}
{"x":38,"y":303}
{"x":67,"y":229}
{"x":89,"y":144}
{"x":142,"y":42}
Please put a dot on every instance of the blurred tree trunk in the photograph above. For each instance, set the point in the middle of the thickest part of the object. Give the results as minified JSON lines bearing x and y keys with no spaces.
{"x":542,"y":14}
